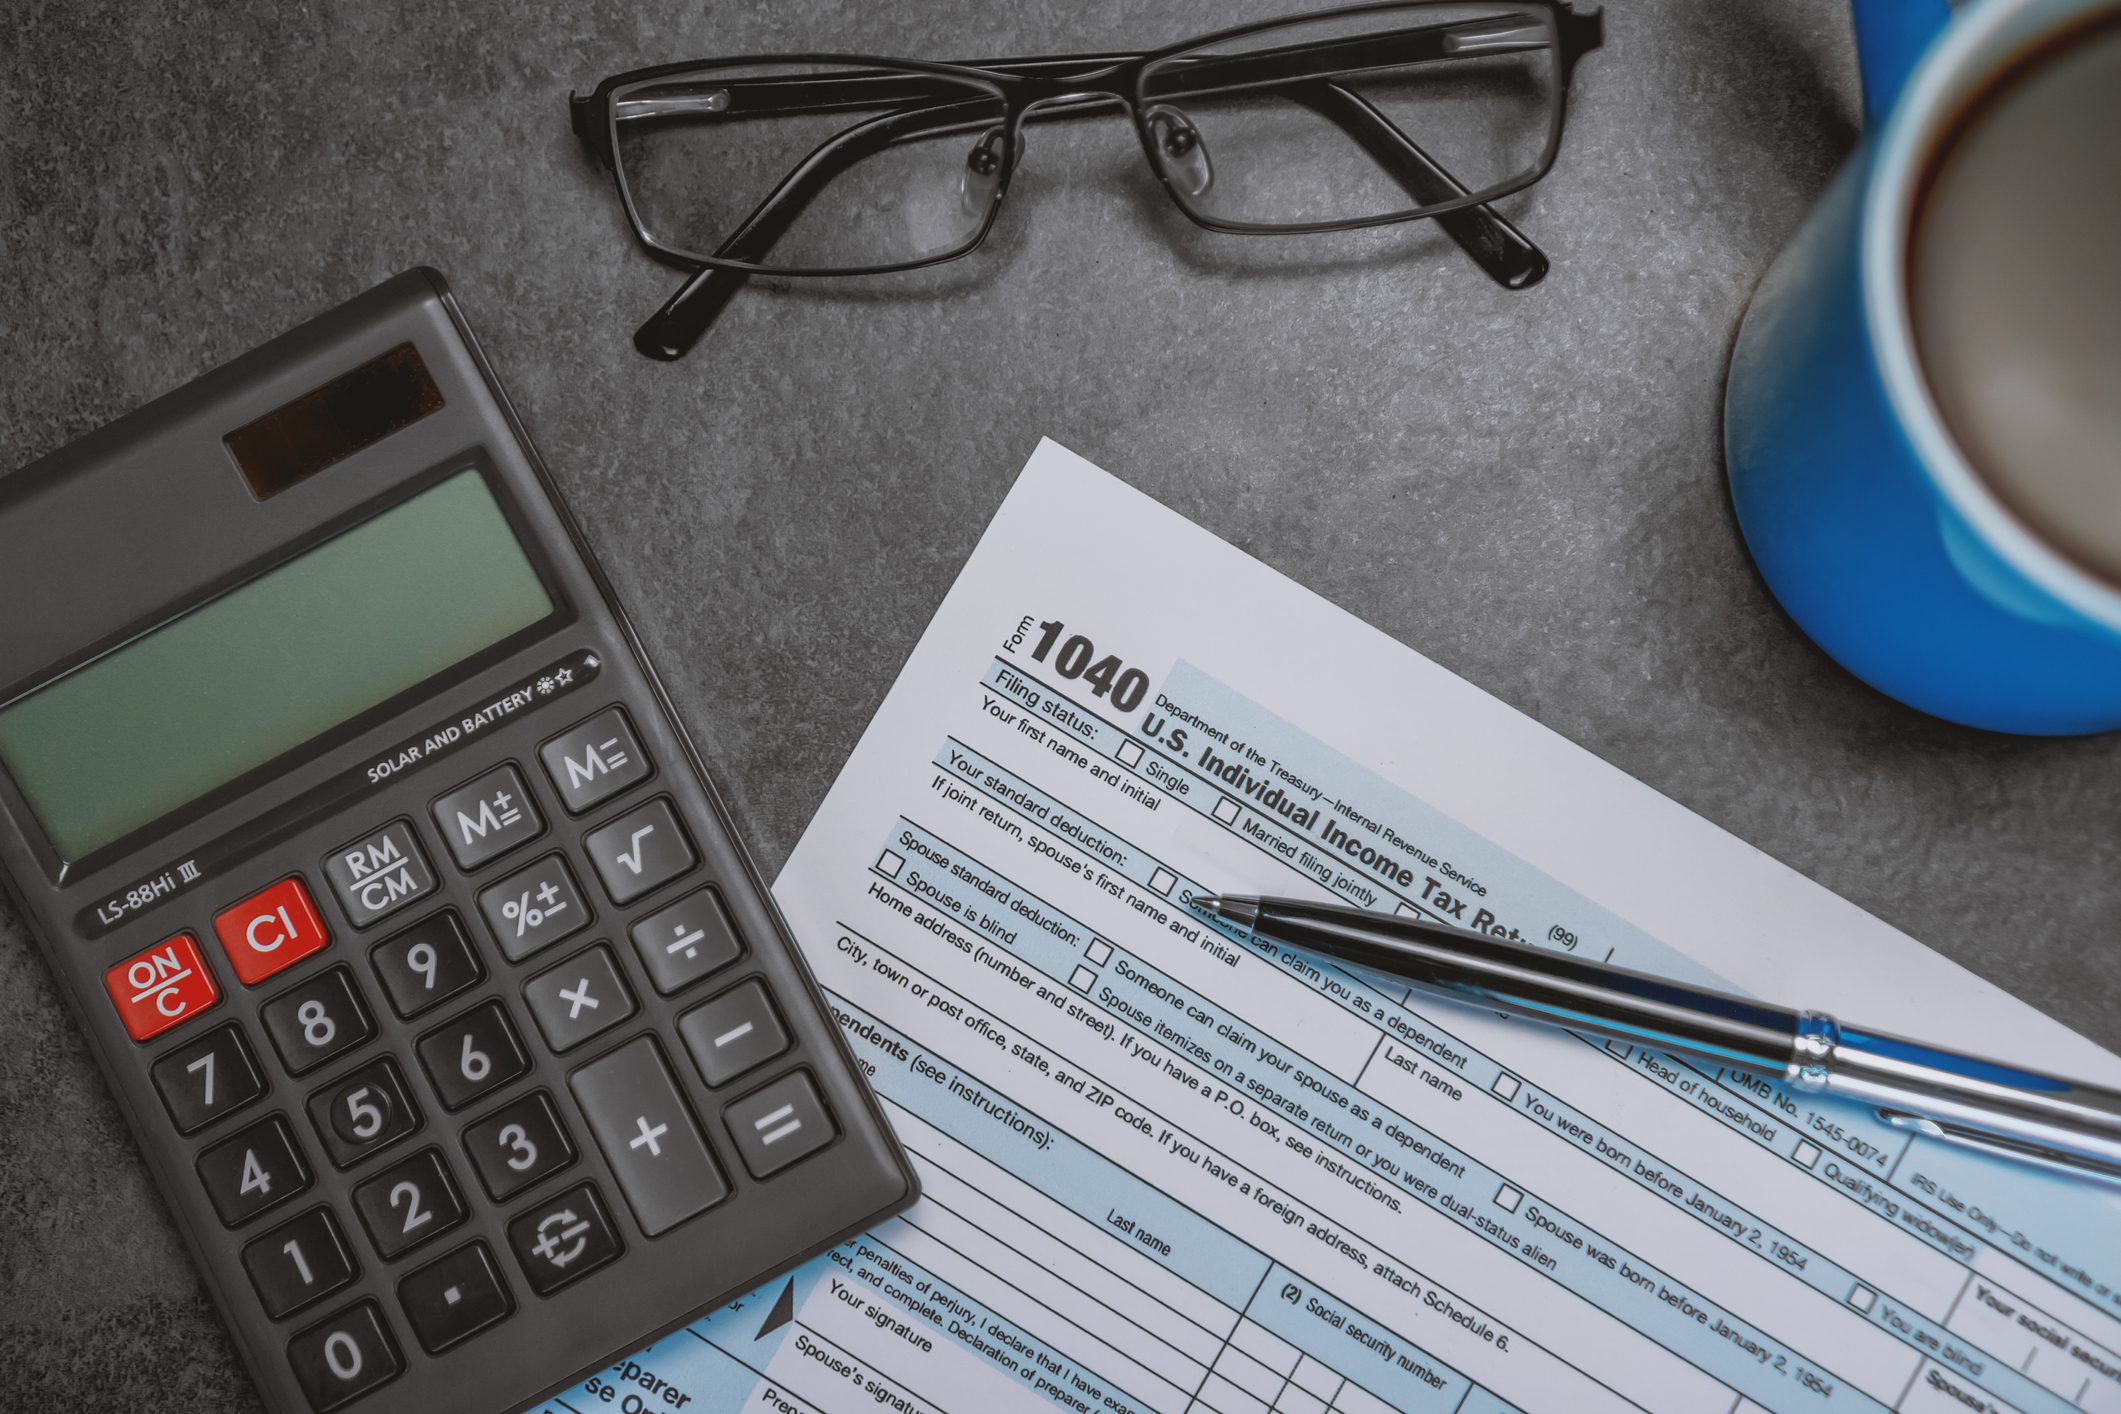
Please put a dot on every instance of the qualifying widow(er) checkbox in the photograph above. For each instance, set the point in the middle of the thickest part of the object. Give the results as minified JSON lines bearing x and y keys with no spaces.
{"x":1807,"y":1153}
{"x":1099,"y":952}
{"x":1226,"y":810}
{"x":1130,"y":753}
{"x":1162,"y":880}
{"x":890,"y":864}
{"x":1082,"y":979}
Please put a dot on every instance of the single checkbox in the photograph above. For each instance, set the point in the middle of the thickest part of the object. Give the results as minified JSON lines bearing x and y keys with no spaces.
{"x":1807,"y":1153}
{"x":1505,"y":1085}
{"x":1130,"y":754}
{"x":1099,"y":952}
{"x":1862,"y":1298}
{"x":1162,"y":880}
{"x":1507,"y":1198}
{"x":1083,"y":979}
{"x":1226,"y":810}
{"x":890,"y":864}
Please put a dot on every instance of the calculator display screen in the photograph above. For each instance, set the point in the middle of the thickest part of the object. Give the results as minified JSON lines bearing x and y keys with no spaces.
{"x":269,"y":665}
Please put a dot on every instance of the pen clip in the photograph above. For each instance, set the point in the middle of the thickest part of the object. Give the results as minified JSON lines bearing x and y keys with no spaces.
{"x":1996,"y":1145}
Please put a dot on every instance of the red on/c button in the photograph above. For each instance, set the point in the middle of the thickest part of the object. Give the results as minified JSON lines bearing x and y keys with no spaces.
{"x":160,"y":987}
{"x":270,"y":930}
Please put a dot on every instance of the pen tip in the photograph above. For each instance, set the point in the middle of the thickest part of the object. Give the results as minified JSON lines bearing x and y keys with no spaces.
{"x":1244,"y":912}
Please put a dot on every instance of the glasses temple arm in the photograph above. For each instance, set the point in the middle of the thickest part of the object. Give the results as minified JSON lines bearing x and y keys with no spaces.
{"x":1495,"y":245}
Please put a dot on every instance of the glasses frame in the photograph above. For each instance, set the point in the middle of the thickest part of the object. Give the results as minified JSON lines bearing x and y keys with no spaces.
{"x":1066,"y":85}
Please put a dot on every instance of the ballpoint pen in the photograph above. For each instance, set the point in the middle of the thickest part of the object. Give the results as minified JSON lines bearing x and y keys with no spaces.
{"x":1999,"y":1109}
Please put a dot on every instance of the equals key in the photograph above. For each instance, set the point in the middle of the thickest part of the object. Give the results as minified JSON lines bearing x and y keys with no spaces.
{"x":776,"y":1126}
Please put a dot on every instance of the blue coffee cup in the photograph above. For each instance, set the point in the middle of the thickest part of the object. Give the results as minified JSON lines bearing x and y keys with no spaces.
{"x":1867,"y":520}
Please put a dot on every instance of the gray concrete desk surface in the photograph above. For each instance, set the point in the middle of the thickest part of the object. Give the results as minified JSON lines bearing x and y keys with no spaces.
{"x":1526,"y":487}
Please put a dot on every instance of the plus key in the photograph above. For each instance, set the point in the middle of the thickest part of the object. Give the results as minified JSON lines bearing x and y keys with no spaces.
{"x":648,"y":1135}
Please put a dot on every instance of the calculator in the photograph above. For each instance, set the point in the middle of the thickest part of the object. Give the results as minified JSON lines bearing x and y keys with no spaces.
{"x":456,"y":1026}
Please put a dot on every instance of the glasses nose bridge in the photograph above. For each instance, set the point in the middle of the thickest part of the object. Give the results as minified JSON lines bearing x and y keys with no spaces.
{"x":1085,"y":92}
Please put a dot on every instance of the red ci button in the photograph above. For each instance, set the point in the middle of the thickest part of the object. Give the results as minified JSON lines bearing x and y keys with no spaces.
{"x":270,"y":930}
{"x":161,"y":987}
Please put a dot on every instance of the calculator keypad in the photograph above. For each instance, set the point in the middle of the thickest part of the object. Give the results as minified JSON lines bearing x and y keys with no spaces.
{"x":534,"y":908}
{"x":485,"y":818}
{"x":317,"y":1021}
{"x":299,"y":1262}
{"x":408,"y":1203}
{"x":454,"y":1297}
{"x":208,"y":1078}
{"x":162,"y":987}
{"x":648,"y":1135}
{"x":517,"y":1145}
{"x":564,"y":1238}
{"x":582,"y":997}
{"x":640,"y":851}
{"x":252,"y":1171}
{"x":426,"y":965}
{"x":342,"y":1358}
{"x":403,"y":1209}
{"x":379,"y":874}
{"x":270,"y":931}
{"x":472,"y":1056}
{"x":364,"y":1112}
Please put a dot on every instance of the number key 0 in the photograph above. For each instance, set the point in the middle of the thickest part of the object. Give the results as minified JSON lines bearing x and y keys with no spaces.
{"x":472,"y":1055}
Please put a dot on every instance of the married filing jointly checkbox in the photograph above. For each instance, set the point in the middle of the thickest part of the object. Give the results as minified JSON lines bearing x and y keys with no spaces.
{"x":1226,"y":810}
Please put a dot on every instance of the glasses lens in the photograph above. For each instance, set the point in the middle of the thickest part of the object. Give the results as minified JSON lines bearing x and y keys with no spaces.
{"x":818,"y":168}
{"x":1345,"y":118}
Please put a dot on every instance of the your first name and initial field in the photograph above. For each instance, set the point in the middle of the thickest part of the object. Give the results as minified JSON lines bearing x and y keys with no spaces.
{"x":629,"y":1098}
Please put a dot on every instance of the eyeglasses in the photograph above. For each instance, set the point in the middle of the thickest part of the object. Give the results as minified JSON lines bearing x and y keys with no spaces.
{"x":838,"y":164}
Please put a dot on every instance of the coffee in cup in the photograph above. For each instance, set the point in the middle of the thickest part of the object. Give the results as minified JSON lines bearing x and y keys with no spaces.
{"x":2014,"y":285}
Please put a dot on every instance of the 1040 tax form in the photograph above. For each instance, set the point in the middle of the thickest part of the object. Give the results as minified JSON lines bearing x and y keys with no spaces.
{"x":1167,"y":1170}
